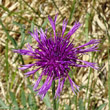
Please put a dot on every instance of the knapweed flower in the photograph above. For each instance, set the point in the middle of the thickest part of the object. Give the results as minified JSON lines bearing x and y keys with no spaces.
{"x":55,"y":57}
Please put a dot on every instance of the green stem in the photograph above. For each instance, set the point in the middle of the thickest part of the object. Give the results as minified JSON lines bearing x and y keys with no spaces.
{"x":53,"y":93}
{"x":109,"y":78}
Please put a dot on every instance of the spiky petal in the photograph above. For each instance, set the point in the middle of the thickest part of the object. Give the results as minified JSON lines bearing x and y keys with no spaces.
{"x":55,"y":56}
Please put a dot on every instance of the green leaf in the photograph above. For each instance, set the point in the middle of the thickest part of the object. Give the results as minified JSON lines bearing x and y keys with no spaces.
{"x":29,"y":39}
{"x":31,"y":102}
{"x":22,"y":31}
{"x":32,"y":25}
{"x":101,"y":106}
{"x":46,"y":98}
{"x":13,"y":99}
{"x":13,"y":76}
{"x":6,"y":59}
{"x":47,"y":101}
{"x":17,"y":24}
{"x":87,"y":22}
{"x":8,"y":36}
{"x":3,"y":105}
{"x":67,"y":107}
{"x":22,"y":37}
{"x":23,"y":98}
{"x":4,"y":8}
{"x":45,"y":23}
{"x":81,"y":107}
{"x":72,"y":11}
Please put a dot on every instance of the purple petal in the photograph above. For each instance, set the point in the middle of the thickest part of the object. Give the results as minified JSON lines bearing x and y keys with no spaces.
{"x":31,"y":72}
{"x":62,"y":83}
{"x":93,"y":41}
{"x":23,"y":51}
{"x":35,"y":35}
{"x":53,"y":24}
{"x":58,"y":89}
{"x":44,"y":85}
{"x":89,"y":64}
{"x":37,"y":82}
{"x":73,"y":87}
{"x":55,"y":18}
{"x":26,"y":66}
{"x":44,"y":90}
{"x":73,"y":30}
{"x":64,"y":26}
{"x":42,"y":35}
{"x":29,"y":47}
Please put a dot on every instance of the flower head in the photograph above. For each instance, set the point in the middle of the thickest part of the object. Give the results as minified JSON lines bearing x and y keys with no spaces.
{"x":55,"y":56}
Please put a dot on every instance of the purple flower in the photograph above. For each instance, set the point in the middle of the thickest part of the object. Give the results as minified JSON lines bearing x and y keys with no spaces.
{"x":55,"y":56}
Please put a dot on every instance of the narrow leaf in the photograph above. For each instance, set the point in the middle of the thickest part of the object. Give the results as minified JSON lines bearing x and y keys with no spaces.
{"x":101,"y":106}
{"x":8,"y":36}
{"x":3,"y":105}
{"x":13,"y":99}
{"x":23,"y":98}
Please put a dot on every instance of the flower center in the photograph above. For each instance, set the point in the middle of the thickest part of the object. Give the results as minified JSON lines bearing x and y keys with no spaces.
{"x":56,"y":54}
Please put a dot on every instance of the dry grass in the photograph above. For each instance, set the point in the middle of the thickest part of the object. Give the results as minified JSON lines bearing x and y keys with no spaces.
{"x":95,"y":18}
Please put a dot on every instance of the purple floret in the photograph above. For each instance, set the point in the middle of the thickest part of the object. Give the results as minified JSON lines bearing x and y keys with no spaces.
{"x":55,"y":57}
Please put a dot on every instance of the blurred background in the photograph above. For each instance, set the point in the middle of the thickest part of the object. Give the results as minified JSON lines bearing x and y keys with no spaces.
{"x":18,"y":17}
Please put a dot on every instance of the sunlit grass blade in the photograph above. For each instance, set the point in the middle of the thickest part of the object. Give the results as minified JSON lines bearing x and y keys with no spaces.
{"x":13,"y":76}
{"x":76,"y":101}
{"x":89,"y":74}
{"x":109,"y":77}
{"x":72,"y":11}
{"x":6,"y":60}
{"x":87,"y":26}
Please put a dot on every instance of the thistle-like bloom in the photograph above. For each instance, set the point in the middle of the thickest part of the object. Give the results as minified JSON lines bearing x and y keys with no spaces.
{"x":55,"y":56}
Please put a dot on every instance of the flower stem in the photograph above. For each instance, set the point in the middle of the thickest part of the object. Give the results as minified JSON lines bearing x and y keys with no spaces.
{"x":53,"y":93}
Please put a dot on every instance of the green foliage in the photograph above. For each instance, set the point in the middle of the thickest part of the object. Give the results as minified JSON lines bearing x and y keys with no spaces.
{"x":81,"y":104}
{"x":72,"y":11}
{"x":23,"y":98}
{"x":101,"y":107}
{"x":3,"y":105}
{"x":8,"y":36}
{"x":67,"y":107}
{"x":13,"y":100}
{"x":32,"y":103}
